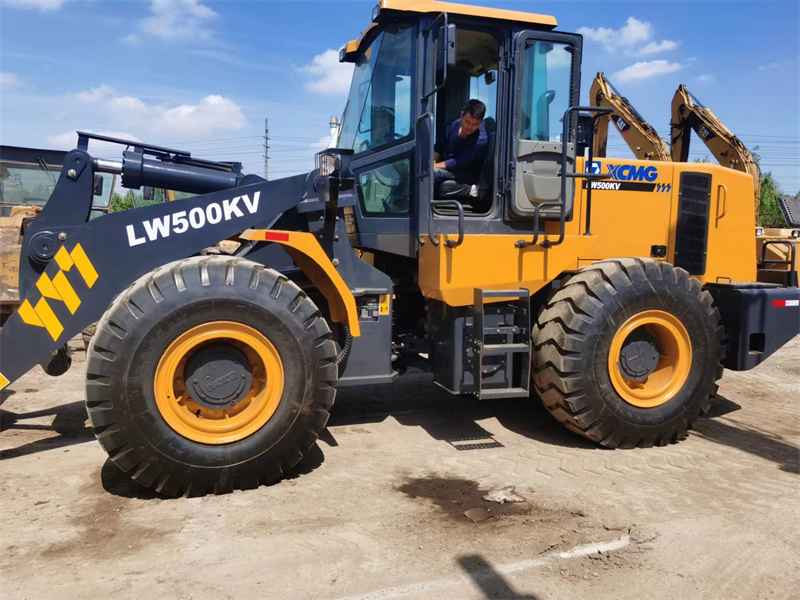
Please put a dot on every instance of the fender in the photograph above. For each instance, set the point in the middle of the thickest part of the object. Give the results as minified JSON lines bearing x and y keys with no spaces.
{"x":306,"y":252}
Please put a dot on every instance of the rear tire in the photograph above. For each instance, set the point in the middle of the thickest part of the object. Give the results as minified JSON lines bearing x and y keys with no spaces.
{"x":126,"y":403}
{"x":574,"y":372}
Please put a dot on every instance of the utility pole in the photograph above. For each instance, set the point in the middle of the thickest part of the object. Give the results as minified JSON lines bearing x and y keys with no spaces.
{"x":266,"y":149}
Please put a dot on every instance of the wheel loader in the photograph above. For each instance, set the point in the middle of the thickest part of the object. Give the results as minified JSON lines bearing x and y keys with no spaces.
{"x":616,"y":291}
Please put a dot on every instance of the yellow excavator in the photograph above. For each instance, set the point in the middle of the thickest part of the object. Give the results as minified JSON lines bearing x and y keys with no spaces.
{"x":689,"y":114}
{"x":641,"y":137}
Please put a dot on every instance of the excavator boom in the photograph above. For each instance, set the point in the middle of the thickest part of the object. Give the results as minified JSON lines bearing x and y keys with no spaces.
{"x":688,"y":113}
{"x":641,"y":137}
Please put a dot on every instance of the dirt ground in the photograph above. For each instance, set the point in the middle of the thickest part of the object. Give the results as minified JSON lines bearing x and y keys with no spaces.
{"x":376,"y":509}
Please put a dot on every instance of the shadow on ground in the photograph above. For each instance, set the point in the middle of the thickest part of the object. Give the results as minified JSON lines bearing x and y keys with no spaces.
{"x":69,"y":423}
{"x":491,"y":583}
{"x":750,"y":439}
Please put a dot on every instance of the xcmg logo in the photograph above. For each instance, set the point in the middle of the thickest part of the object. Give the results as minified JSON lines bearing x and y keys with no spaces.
{"x":627,"y":172}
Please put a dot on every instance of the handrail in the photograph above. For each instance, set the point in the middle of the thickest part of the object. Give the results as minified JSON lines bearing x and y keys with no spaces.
{"x":792,"y":253}
{"x":434,"y":238}
{"x":562,"y":203}
{"x":424,"y":172}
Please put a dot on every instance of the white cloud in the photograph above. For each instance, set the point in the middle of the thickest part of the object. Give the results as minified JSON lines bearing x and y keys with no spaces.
{"x":629,"y":37}
{"x":132,"y":39}
{"x":330,"y":76}
{"x":69,"y":141}
{"x":645,"y":70}
{"x":9,"y":81}
{"x":656,"y":47}
{"x":96,"y":94}
{"x":774,"y":66}
{"x":179,"y":20}
{"x":211,"y":113}
{"x":632,"y":33}
{"x":704,"y":78}
{"x":320,"y":144}
{"x":42,"y":5}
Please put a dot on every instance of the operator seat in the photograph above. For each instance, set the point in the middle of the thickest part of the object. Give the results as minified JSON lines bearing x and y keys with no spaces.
{"x":454,"y":190}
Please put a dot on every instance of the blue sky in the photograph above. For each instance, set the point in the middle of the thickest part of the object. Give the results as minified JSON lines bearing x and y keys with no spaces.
{"x":203,"y":75}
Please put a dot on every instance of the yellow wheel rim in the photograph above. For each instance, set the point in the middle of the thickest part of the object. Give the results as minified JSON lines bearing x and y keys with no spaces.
{"x":671,"y":371}
{"x":219,"y":426}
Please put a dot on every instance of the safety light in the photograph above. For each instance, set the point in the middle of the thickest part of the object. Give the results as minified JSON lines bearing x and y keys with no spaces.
{"x":759,"y":231}
{"x":796,"y":234}
{"x":327,"y":164}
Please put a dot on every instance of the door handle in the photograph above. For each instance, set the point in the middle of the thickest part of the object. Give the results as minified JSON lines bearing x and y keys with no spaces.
{"x":722,"y":200}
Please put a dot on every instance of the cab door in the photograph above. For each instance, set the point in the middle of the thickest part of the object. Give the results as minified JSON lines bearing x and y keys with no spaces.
{"x":378,"y":126}
{"x":546,"y":83}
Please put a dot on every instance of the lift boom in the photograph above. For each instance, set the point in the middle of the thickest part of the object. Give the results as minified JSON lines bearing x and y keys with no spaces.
{"x":641,"y":137}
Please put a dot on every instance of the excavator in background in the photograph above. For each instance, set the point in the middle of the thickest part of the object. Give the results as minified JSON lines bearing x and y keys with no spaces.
{"x":641,"y":137}
{"x":775,"y":246}
{"x":688,"y":114}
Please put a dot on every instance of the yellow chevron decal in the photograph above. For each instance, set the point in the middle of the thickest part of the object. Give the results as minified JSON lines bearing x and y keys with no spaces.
{"x":28,"y":315}
{"x":63,"y":259}
{"x":47,"y":288}
{"x":66,"y":292}
{"x":48,"y":317}
{"x":58,"y":288}
{"x":3,"y":381}
{"x":84,"y":265}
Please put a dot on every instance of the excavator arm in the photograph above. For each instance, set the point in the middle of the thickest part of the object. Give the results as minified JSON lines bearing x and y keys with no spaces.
{"x":641,"y":137}
{"x":688,"y":113}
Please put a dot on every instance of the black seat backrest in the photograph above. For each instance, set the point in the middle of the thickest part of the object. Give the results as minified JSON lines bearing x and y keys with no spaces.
{"x":486,"y":183}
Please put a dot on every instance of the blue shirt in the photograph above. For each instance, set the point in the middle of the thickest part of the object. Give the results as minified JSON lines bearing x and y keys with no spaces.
{"x":463,"y":157}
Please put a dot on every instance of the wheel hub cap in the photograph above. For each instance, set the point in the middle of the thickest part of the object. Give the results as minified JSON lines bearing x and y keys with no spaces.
{"x":639,"y":356}
{"x":219,"y":376}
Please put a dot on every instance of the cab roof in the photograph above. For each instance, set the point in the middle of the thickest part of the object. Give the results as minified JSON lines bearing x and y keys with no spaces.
{"x":451,"y":8}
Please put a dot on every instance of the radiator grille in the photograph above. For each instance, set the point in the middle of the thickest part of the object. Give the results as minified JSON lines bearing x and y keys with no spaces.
{"x":691,"y":236}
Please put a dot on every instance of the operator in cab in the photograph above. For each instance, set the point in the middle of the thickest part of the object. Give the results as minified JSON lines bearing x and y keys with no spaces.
{"x":460,"y":153}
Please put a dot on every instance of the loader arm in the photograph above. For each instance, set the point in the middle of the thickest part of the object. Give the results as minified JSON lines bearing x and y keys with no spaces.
{"x":95,"y":261}
{"x":641,"y":137}
{"x":688,"y":114}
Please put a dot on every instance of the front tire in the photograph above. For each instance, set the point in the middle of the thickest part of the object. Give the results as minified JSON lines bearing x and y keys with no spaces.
{"x":256,"y":342}
{"x":627,"y":353}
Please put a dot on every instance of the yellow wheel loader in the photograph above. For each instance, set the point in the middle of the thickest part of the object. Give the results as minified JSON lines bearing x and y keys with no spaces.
{"x":615,"y":291}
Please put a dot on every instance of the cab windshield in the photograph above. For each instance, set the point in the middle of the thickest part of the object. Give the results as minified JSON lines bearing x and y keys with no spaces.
{"x":378,"y":109}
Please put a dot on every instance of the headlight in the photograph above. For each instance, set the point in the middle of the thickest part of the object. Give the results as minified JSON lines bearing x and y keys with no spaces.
{"x":796,"y":234}
{"x":759,"y":231}
{"x":327,"y":164}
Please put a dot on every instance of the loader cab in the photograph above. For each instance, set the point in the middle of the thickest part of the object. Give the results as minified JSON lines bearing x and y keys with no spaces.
{"x":413,"y":73}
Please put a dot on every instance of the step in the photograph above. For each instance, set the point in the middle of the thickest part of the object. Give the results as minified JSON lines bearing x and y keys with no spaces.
{"x":506,"y":294}
{"x":495,"y":349}
{"x":503,"y":330}
{"x":504,"y":393}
